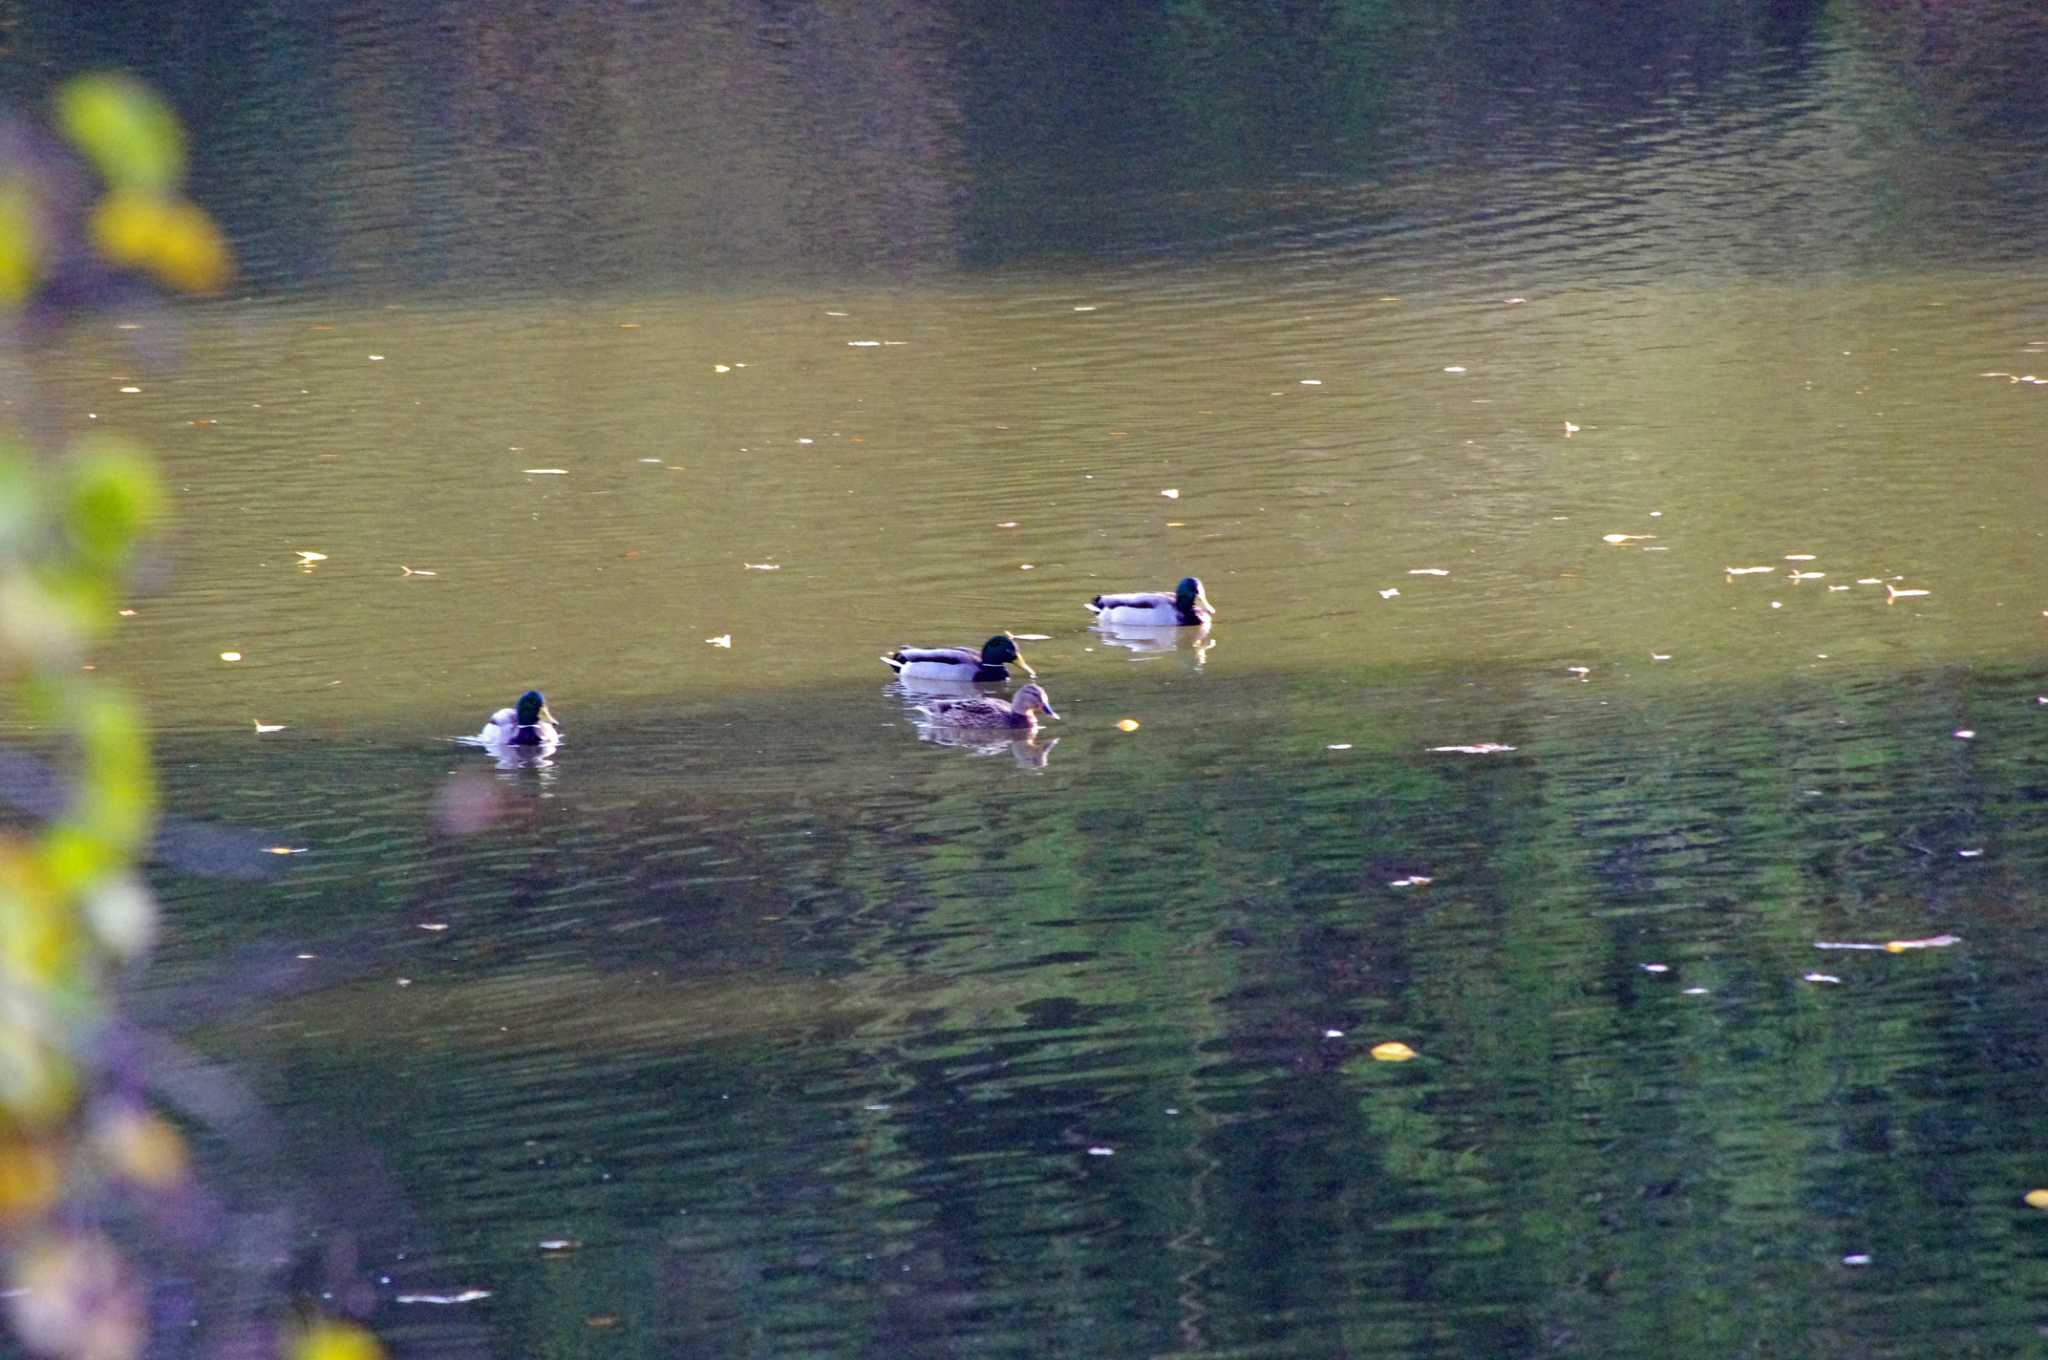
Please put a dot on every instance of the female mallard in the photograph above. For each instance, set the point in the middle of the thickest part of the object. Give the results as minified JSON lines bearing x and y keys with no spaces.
{"x":1187,"y":606}
{"x":958,"y":663}
{"x":526,"y":724}
{"x":1018,"y":713}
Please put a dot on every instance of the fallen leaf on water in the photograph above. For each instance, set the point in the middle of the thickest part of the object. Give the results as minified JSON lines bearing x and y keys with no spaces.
{"x":413,"y":571}
{"x":1171,"y":493}
{"x":1427,"y":571}
{"x":284,"y":849}
{"x":547,"y":472}
{"x":721,"y":368}
{"x":262,"y":726}
{"x":1798,"y":576}
{"x":1856,"y":1258}
{"x":464,"y":1296}
{"x":1869,"y":581}
{"x":1032,"y":637}
{"x":433,"y":925}
{"x":1746,"y":571}
{"x":1656,"y":967}
{"x":1099,"y":1151}
{"x":1931,"y":942}
{"x":1660,"y":656}
{"x":2037,"y":1198}
{"x":1625,"y":538}
{"x":1570,"y":429}
{"x":1894,"y":593}
{"x":231,"y":656}
{"x":1964,"y":734}
{"x":309,"y":557}
{"x":1799,"y":557}
{"x":1338,"y":746}
{"x":722,"y":640}
{"x":1412,"y":881}
{"x":1007,"y":524}
{"x":1819,"y":977}
{"x":1389,"y":593}
{"x":558,"y":1244}
{"x":1392,"y":1051}
{"x":1127,"y":724}
{"x":762,"y":566}
{"x":1484,"y":748}
{"x":126,"y":613}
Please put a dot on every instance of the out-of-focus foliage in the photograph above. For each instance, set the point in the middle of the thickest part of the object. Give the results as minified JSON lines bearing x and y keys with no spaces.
{"x":81,"y":1145}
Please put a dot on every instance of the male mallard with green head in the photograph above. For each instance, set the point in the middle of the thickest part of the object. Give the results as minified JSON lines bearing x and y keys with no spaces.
{"x":959,"y":663}
{"x":1187,"y":606}
{"x":527,"y":723}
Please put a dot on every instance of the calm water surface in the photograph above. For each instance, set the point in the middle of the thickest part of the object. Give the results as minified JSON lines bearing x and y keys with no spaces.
{"x":1465,"y":354}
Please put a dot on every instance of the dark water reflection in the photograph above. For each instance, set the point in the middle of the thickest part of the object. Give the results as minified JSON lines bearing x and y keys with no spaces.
{"x":846,"y":1043}
{"x":801,"y":1033}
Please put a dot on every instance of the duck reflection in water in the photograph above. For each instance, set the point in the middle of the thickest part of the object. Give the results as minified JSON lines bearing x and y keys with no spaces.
{"x":1152,"y":639}
{"x":1030,"y":752}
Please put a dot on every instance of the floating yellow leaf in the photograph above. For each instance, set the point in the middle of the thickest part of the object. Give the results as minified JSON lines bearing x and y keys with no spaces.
{"x":231,"y":656}
{"x":1392,"y":1051}
{"x":2037,"y":1198}
{"x":1128,"y":725}
{"x":336,"y":1341}
{"x":1931,"y":942}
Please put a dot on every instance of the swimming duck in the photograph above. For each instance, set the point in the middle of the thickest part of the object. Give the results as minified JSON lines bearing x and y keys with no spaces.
{"x":958,"y":663}
{"x":528,"y":723}
{"x":1186,"y":606}
{"x":1018,"y":713}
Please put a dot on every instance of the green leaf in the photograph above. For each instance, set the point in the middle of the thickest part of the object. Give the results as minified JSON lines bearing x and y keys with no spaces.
{"x":125,"y":128}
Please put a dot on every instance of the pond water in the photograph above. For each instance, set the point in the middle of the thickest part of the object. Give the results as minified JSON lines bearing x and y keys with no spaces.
{"x":1639,"y":399}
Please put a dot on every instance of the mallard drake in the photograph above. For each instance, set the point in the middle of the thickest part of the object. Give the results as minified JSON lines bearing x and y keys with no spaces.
{"x":527,"y":723}
{"x":1187,"y":606}
{"x":958,"y":663}
{"x":1019,"y":713}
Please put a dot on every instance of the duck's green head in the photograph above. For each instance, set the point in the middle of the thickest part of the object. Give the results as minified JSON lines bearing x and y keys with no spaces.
{"x":532,"y":708}
{"x":1001,"y":650}
{"x":1189,"y":593}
